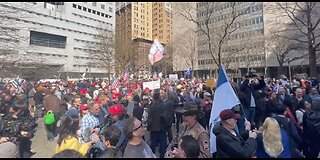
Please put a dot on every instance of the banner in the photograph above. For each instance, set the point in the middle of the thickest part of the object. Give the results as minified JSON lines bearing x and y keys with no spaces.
{"x":156,"y":52}
{"x":173,"y":76}
{"x":151,"y":85}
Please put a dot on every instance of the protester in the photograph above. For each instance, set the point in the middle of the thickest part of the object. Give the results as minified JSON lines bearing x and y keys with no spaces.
{"x":111,"y":136}
{"x":157,"y":125}
{"x":51,"y":103}
{"x":191,"y":126}
{"x":188,"y":148}
{"x":272,"y":141}
{"x":136,"y":147}
{"x":68,"y":137}
{"x":229,"y":143}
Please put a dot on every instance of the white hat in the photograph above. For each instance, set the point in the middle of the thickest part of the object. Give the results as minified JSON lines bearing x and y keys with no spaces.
{"x":97,"y":86}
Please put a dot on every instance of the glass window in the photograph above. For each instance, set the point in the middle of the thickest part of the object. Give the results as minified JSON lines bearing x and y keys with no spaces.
{"x":102,"y":6}
{"x":74,"y":5}
{"x":94,"y":4}
{"x":79,"y":7}
{"x":93,"y":11}
{"x":89,"y":10}
{"x":110,"y":9}
{"x":84,"y":8}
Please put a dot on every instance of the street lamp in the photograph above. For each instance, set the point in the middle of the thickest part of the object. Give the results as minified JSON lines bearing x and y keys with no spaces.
{"x":289,"y":66}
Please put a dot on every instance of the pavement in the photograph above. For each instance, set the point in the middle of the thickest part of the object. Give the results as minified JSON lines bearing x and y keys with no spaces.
{"x":46,"y":149}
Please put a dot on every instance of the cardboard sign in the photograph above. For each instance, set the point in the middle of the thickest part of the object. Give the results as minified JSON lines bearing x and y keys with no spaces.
{"x":173,"y":76}
{"x":210,"y":83}
{"x":151,"y":85}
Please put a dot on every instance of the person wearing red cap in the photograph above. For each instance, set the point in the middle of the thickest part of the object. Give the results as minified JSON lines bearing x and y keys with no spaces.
{"x":84,"y":110}
{"x":118,"y":117}
{"x":228,"y":142}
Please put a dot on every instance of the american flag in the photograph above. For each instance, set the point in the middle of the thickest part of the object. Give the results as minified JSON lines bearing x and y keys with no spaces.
{"x":115,"y":83}
{"x":126,"y":75}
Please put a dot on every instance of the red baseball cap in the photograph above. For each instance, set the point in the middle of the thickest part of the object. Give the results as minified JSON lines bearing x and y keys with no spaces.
{"x":227,"y":114}
{"x":116,"y":109}
{"x":83,"y":91}
{"x":83,"y":107}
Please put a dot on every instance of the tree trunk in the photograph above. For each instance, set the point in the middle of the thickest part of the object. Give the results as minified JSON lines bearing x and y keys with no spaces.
{"x":312,"y":62}
{"x":281,"y":69}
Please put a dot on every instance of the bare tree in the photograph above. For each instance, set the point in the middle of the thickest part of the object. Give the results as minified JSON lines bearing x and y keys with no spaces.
{"x":186,"y":48}
{"x":216,"y":37}
{"x":305,"y":23}
{"x":102,"y":51}
{"x":13,"y":58}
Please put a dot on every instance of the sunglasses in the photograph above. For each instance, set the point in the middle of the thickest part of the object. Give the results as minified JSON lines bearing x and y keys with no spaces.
{"x":138,"y":127}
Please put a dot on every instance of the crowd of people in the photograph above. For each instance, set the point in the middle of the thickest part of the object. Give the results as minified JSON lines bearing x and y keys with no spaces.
{"x":93,"y":118}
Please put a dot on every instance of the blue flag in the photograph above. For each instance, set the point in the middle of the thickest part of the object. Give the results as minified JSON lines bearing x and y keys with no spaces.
{"x":188,"y":72}
{"x":224,"y":98}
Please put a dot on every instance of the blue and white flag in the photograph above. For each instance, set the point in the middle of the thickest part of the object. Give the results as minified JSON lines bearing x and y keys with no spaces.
{"x":224,"y":98}
{"x":188,"y":72}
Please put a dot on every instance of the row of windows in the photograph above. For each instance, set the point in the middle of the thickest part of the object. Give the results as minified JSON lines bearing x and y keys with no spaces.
{"x":88,"y":42}
{"x":61,"y":28}
{"x":81,"y":16}
{"x":44,"y":15}
{"x":92,"y":11}
{"x":203,"y":39}
{"x":86,"y":58}
{"x":87,"y":66}
{"x":84,"y":49}
{"x":246,"y":10}
{"x":47,"y":54}
{"x":245,"y":23}
{"x":251,"y":59}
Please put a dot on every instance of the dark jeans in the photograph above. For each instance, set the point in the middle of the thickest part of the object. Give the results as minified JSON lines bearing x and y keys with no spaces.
{"x":158,"y":137}
{"x":250,"y":113}
{"x":25,"y":148}
{"x":207,"y":115}
{"x":312,"y":150}
{"x":179,"y":120}
{"x":52,"y":129}
{"x":169,"y":133}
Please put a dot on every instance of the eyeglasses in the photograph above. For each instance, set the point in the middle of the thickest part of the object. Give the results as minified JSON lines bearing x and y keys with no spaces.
{"x":138,"y":127}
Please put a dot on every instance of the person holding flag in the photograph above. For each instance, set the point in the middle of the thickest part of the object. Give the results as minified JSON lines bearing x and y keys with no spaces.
{"x":224,"y":98}
{"x":188,"y":73}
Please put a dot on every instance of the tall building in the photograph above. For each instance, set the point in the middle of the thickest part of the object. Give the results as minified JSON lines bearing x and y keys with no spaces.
{"x":58,"y":33}
{"x":140,"y":22}
{"x":184,"y":41}
{"x":247,"y":46}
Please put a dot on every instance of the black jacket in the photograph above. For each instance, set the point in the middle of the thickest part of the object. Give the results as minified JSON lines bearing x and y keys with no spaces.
{"x":311,"y":126}
{"x":252,"y":88}
{"x":138,"y":111}
{"x":156,"y":117}
{"x":38,"y":98}
{"x":230,"y":146}
{"x":169,"y":111}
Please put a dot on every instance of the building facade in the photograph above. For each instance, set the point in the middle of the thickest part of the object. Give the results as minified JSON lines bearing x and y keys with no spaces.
{"x":58,"y":33}
{"x":247,"y":45}
{"x":136,"y":22}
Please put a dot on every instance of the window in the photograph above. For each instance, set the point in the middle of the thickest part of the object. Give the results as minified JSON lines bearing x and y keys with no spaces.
{"x":74,"y":5}
{"x":110,"y":9}
{"x":261,"y":19}
{"x":93,"y":11}
{"x":84,"y":8}
{"x":79,"y":7}
{"x":98,"y":13}
{"x":102,"y":6}
{"x":94,"y":4}
{"x":47,"y":40}
{"x":89,"y":10}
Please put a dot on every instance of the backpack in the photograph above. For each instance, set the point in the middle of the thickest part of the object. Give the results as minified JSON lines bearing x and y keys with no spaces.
{"x":49,"y":118}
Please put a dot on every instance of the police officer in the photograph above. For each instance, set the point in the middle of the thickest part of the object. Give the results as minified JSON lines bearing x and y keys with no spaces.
{"x":191,"y":126}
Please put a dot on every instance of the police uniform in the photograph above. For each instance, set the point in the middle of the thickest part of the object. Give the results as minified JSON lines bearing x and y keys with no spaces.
{"x":200,"y":134}
{"x":197,"y":132}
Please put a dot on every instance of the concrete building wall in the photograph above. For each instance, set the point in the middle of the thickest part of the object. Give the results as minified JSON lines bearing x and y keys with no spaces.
{"x":72,"y":20}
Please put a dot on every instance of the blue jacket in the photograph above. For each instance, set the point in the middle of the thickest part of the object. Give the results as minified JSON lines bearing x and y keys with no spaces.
{"x":286,"y":153}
